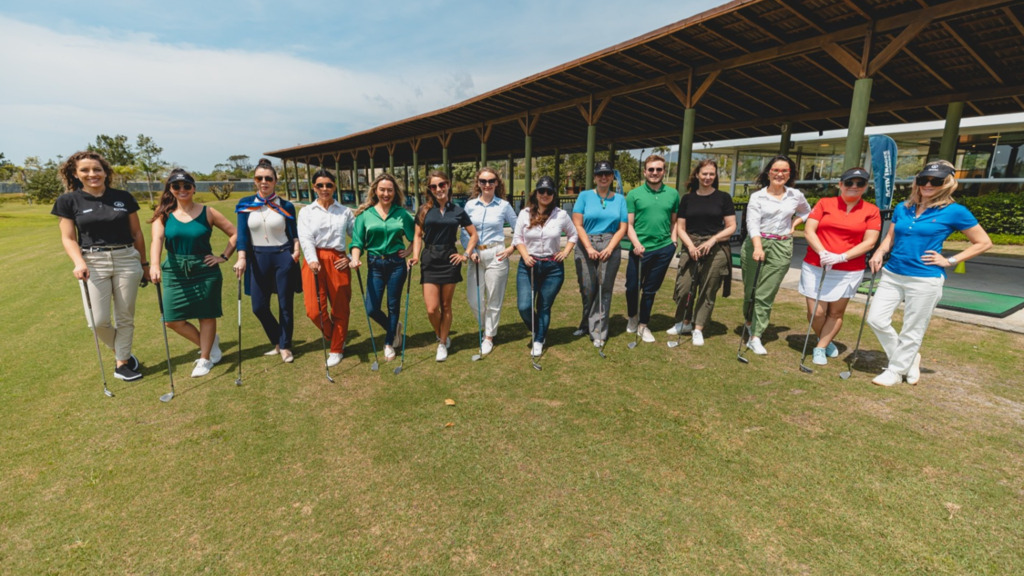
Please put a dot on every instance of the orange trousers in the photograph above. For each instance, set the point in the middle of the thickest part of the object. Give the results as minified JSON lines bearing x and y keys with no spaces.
{"x":335,"y":293}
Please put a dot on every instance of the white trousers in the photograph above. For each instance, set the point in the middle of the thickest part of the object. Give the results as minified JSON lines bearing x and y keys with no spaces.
{"x":113,"y":280}
{"x":493,"y":276}
{"x":919,"y":297}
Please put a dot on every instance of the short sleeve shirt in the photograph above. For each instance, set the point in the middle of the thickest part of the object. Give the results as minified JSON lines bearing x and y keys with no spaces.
{"x":705,"y":215}
{"x":913,"y":235}
{"x":652,"y":214}
{"x":441,"y":228}
{"x":601,"y":215}
{"x":839,"y":230}
{"x":102,"y":221}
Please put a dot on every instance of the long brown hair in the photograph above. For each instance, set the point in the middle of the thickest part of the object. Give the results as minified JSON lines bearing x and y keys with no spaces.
{"x":693,"y":184}
{"x":538,"y":218}
{"x":168,"y":203}
{"x":70,"y":166}
{"x":371,"y":193}
{"x":499,"y":188}
{"x":431,"y":201}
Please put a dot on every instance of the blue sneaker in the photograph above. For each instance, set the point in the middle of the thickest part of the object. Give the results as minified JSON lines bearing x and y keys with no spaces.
{"x":831,"y":351}
{"x":819,"y":357}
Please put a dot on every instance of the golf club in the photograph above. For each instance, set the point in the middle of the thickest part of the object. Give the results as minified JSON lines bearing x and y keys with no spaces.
{"x":747,"y":315}
{"x":167,"y":347}
{"x":323,"y":324}
{"x":533,"y":317}
{"x":690,"y":300}
{"x":479,"y":316}
{"x":376,"y":365}
{"x":810,"y":321}
{"x":640,"y":287}
{"x":600,"y":308}
{"x":405,"y":325}
{"x":853,"y":357}
{"x":238,"y":381}
{"x":95,"y":337}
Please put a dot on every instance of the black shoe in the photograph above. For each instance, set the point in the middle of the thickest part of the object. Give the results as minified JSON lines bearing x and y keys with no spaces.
{"x":125,"y":373}
{"x":134,"y":363}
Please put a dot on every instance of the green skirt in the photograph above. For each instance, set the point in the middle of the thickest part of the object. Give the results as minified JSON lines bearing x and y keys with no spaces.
{"x":191,"y":289}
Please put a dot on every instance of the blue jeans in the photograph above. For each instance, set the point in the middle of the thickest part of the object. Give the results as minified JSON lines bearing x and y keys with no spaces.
{"x":273,"y":271}
{"x":655,"y":265}
{"x":389,"y":272}
{"x":547,"y":278}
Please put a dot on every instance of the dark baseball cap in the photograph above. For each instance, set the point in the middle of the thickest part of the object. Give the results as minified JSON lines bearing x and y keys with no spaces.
{"x":181,"y":176}
{"x":857,"y":172}
{"x":603,"y":167}
{"x":545,"y":183}
{"x":937,"y":170}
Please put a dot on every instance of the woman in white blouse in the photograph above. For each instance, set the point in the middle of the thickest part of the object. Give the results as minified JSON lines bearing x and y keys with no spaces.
{"x":323,"y":226}
{"x":772,"y":214}
{"x":538,"y":236}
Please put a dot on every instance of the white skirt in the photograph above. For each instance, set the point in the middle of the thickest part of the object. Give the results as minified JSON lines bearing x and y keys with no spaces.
{"x":838,"y":284}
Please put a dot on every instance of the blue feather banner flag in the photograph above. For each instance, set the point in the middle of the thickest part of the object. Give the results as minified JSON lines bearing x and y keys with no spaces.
{"x":883,"y":166}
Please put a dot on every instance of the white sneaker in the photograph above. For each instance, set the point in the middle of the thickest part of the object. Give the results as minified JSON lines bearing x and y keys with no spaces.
{"x":632,"y":324}
{"x":914,"y":374}
{"x":538,"y":349}
{"x":202,"y":368}
{"x":442,"y":353}
{"x":215,"y":353}
{"x":756,"y":347}
{"x":598,"y":343}
{"x":389,"y":353}
{"x":887,"y":378}
{"x":680,"y":328}
{"x":333,"y":359}
{"x":698,"y":338}
{"x":646,"y":335}
{"x":486,"y":347}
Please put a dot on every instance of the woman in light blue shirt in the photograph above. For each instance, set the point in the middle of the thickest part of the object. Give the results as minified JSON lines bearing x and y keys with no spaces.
{"x":490,"y":213}
{"x":600,"y":218}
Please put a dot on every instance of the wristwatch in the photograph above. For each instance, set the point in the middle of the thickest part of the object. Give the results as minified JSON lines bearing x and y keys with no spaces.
{"x":952,"y":260}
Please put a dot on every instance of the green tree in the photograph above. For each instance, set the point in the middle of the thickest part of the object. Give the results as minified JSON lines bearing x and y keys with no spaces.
{"x":116,"y":149}
{"x":148,"y":161}
{"x":7,"y":168}
{"x":41,"y":180}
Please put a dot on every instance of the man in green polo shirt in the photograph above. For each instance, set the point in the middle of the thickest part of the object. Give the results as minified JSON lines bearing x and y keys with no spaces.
{"x":652,"y":209}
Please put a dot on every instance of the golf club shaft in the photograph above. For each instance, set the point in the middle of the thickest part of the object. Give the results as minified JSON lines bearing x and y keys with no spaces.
{"x":323,"y":323}
{"x":238,"y":382}
{"x":167,"y":346}
{"x":863,"y":319}
{"x":749,"y":311}
{"x":479,"y":309}
{"x":95,"y":335}
{"x":810,"y":321}
{"x":369,"y":325}
{"x":405,"y":325}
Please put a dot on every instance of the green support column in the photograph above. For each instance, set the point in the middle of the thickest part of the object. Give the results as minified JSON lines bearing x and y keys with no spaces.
{"x":558,"y":169}
{"x":511,"y":176}
{"x":405,"y":178}
{"x":787,"y":133}
{"x":528,"y":163}
{"x":591,"y":149}
{"x":483,"y":153}
{"x":391,"y":162}
{"x":337,"y":174}
{"x":685,"y":147}
{"x":951,"y":132}
{"x":858,"y":121}
{"x":444,"y":161}
{"x":287,"y":185}
{"x":415,"y":180}
{"x":371,"y":166}
{"x":355,"y":178}
{"x":295,"y":170}
{"x":309,"y":180}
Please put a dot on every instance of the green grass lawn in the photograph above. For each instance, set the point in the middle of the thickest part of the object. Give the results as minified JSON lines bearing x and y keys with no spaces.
{"x":653,"y":461}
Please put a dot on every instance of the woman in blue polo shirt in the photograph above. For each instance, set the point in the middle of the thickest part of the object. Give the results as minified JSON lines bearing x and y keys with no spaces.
{"x":916,"y":271}
{"x":600,"y":218}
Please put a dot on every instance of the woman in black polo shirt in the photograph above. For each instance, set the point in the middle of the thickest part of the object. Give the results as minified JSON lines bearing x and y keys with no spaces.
{"x":100,"y":230}
{"x":437,"y":224}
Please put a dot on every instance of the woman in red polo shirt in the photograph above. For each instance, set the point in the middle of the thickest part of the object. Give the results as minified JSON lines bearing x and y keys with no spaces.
{"x":839,"y":231}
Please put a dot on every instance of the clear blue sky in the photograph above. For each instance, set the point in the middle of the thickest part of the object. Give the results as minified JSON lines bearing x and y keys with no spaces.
{"x":210,"y":79}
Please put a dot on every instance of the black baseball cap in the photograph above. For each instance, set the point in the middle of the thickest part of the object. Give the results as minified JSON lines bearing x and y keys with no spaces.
{"x":857,"y":172}
{"x":545,"y":183}
{"x":937,"y":170}
{"x":181,"y":176}
{"x":603,"y":167}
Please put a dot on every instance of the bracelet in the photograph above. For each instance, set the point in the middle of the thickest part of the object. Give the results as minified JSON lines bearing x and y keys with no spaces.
{"x":223,"y":257}
{"x":144,"y":264}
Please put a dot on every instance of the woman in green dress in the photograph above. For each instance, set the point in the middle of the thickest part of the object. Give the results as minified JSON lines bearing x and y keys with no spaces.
{"x":191,"y":274}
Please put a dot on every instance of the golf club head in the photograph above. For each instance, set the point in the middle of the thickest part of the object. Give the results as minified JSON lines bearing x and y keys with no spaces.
{"x":107,"y":392}
{"x":167,"y":397}
{"x":845,"y":374}
{"x":375,"y":366}
{"x":600,"y":352}
{"x":631,"y":345}
{"x":742,"y":359}
{"x":329,"y":379}
{"x":535,"y":365}
{"x":672,"y":343}
{"x":398,"y":371}
{"x":476,"y":357}
{"x":805,"y":369}
{"x":238,"y":381}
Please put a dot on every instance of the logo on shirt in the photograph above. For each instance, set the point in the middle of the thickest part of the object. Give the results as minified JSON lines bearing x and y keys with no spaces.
{"x":119,"y":204}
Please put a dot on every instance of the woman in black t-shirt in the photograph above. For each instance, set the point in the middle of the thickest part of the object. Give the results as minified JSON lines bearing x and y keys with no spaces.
{"x":706,"y":220}
{"x":100,"y":231}
{"x":437,"y":224}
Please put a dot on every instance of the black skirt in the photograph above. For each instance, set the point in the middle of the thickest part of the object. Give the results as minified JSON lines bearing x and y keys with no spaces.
{"x":436,"y":266}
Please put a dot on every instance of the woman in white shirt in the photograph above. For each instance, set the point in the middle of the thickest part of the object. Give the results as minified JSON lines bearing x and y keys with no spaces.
{"x":538,"y":236}
{"x":772,"y":214}
{"x":490,"y":212}
{"x":323,"y":226}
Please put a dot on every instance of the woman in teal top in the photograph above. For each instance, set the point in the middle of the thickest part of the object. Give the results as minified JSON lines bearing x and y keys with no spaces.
{"x":191,"y":274}
{"x":381,"y":224}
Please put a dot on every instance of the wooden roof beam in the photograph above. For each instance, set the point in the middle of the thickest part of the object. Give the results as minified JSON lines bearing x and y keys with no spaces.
{"x":897,"y":44}
{"x":928,"y":69}
{"x":755,"y":80}
{"x":800,"y":16}
{"x":981,"y":61}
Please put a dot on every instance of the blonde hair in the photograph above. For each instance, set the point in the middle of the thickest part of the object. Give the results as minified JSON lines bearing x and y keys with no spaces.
{"x":943,"y":197}
{"x":371,"y":193}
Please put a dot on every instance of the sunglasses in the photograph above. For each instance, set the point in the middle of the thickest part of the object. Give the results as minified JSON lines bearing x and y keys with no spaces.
{"x":327,"y":186}
{"x":545,"y":192}
{"x":655,"y":170}
{"x":929,"y":180}
{"x":436,"y":187}
{"x":780,"y":172}
{"x":181,"y":186}
{"x":855,"y":183}
{"x":603,"y":175}
{"x":487,"y":181}
{"x":265,"y":178}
